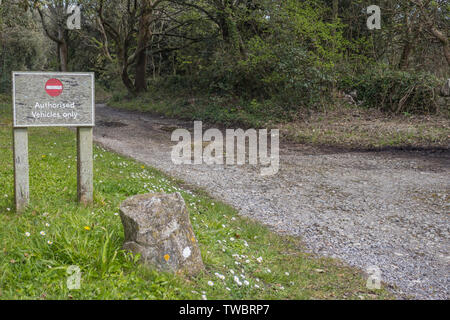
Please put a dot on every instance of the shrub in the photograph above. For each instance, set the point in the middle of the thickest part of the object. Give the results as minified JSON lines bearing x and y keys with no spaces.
{"x":394,"y":91}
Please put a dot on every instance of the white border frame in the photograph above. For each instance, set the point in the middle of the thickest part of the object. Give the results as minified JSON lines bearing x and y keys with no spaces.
{"x":91,"y":74}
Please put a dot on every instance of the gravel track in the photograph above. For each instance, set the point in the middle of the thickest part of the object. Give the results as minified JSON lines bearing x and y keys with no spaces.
{"x":386,"y":209}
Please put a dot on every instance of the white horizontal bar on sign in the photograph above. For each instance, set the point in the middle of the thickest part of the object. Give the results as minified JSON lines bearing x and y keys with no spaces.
{"x":54,"y":87}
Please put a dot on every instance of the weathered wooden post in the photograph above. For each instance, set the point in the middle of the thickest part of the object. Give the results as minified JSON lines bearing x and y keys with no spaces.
{"x":85,"y":165}
{"x":53,"y":99}
{"x":21,"y":176}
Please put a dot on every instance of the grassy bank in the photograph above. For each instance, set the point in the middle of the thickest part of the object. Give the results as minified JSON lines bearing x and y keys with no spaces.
{"x":37,"y":247}
{"x":339,"y":125}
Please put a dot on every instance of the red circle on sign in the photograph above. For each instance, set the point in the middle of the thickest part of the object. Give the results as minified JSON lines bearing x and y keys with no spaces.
{"x":54,"y":87}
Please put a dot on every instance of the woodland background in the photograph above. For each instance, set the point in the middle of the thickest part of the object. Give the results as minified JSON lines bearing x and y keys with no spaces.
{"x":263,"y":59}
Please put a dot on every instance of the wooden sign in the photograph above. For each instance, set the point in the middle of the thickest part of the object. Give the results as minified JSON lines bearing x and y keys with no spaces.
{"x":50,"y":99}
{"x":53,"y":99}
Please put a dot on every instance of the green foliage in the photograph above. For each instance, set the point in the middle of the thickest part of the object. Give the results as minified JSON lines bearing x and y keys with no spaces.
{"x":22,"y":45}
{"x":394,"y":91}
{"x":288,"y":63}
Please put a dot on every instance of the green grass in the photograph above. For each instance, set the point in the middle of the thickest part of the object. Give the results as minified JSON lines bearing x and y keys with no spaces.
{"x":35,"y":266}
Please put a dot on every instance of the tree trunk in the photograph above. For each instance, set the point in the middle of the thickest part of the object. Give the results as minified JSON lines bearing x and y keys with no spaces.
{"x":122,"y":55}
{"x":140,"y":79}
{"x":127,"y":81}
{"x":444,"y":41}
{"x":408,"y":45}
{"x":63,"y":54}
{"x":404,"y":59}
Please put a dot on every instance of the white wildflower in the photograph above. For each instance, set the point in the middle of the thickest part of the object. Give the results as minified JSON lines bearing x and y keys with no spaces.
{"x":220,"y":276}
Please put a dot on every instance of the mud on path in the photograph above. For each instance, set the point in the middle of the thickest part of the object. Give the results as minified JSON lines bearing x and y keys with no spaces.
{"x":388,"y":209}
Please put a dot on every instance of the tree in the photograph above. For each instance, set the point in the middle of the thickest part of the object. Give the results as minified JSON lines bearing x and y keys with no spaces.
{"x":22,"y":42}
{"x":134,"y":27}
{"x":54,"y":17}
{"x":434,"y":14}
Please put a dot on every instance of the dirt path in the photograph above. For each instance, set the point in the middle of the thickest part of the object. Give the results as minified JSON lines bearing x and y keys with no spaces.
{"x":384,"y":209}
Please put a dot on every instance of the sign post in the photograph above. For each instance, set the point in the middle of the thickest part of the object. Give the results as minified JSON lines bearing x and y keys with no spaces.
{"x":85,"y":170}
{"x":53,"y":99}
{"x":21,"y":177}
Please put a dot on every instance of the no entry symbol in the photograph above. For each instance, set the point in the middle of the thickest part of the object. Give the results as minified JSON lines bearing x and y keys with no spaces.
{"x":54,"y":87}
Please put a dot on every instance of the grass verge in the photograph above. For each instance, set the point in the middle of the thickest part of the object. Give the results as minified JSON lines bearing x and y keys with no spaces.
{"x":340,"y":125}
{"x":353,"y":127}
{"x":38,"y":247}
